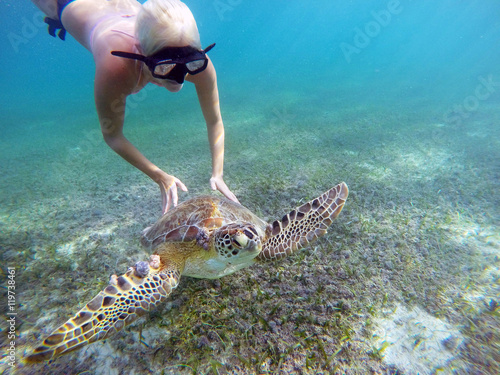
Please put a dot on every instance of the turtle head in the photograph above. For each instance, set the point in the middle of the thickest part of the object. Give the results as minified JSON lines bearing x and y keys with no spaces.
{"x":237,"y":243}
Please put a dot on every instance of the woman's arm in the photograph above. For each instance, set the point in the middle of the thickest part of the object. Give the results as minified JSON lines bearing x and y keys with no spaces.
{"x":114,"y":81}
{"x":208,"y":96}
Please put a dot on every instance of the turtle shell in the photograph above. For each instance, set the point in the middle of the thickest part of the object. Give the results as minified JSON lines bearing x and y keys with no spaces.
{"x":197,"y":217}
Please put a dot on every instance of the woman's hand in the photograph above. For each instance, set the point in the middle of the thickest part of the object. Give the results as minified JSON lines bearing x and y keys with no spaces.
{"x":217,"y":183}
{"x":168,"y":187}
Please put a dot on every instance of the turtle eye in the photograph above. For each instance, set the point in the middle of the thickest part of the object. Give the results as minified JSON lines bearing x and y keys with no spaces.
{"x":248,"y":234}
{"x":235,"y":242}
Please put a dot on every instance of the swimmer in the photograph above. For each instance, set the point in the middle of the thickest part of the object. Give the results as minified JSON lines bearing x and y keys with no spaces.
{"x":134,"y":44}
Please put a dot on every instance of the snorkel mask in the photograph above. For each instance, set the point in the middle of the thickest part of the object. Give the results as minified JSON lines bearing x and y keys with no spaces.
{"x":172,"y":63}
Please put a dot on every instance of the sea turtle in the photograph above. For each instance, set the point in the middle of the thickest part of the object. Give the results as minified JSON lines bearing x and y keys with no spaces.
{"x":204,"y":237}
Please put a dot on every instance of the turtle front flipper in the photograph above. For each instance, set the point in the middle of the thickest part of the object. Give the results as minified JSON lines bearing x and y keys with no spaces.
{"x":125,"y":299}
{"x":304,"y":224}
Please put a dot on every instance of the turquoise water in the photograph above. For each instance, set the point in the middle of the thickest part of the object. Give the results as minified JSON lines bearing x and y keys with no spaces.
{"x":440,"y":49}
{"x":438,"y":60}
{"x":400,"y":99}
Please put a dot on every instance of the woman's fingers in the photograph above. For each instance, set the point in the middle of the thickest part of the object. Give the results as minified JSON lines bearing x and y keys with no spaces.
{"x":219,"y":184}
{"x":168,"y":188}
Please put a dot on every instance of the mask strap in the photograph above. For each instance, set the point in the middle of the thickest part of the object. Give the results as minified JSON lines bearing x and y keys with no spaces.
{"x":129,"y":55}
{"x":209,"y":47}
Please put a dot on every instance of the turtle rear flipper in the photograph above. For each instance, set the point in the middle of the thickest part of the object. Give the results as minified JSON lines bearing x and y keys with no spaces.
{"x":304,"y":224}
{"x":119,"y":304}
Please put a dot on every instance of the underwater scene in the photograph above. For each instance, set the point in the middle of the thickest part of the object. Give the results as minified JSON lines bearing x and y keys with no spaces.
{"x":399,"y":99}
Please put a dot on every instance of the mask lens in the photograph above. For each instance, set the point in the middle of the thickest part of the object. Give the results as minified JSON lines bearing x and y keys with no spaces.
{"x":196,"y":66}
{"x":162,"y":69}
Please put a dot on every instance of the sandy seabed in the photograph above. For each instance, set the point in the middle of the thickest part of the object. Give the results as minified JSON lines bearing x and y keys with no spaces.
{"x":407,"y":280}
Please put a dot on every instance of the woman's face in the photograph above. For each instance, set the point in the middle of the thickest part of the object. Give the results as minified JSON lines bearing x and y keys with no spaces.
{"x":170,"y":85}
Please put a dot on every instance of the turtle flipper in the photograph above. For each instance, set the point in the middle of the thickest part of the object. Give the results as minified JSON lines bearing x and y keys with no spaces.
{"x":304,"y":224}
{"x":119,"y":304}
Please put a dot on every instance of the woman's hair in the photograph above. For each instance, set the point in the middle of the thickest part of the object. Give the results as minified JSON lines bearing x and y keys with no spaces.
{"x":165,"y":23}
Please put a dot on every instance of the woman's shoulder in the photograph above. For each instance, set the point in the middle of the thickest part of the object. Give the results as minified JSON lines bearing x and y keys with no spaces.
{"x":113,"y":69}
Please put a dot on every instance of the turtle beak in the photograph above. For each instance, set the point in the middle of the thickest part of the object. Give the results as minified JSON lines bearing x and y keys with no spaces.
{"x":243,"y":242}
{"x":256,"y":246}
